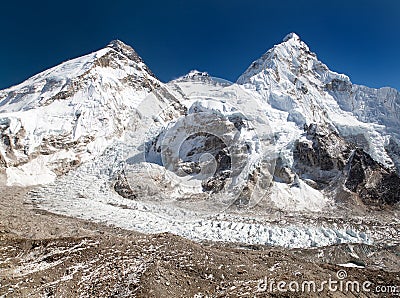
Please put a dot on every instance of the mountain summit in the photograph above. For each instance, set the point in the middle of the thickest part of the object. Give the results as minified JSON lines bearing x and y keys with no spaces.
{"x":291,"y":35}
{"x":123,"y":48}
{"x":130,"y":53}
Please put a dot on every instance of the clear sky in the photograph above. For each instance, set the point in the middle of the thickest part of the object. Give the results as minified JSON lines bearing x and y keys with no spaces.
{"x":358,"y":38}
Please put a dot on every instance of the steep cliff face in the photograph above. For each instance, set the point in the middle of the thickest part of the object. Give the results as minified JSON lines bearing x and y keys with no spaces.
{"x":374,"y":184}
{"x":321,"y":155}
{"x":326,"y":161}
{"x":380,"y":106}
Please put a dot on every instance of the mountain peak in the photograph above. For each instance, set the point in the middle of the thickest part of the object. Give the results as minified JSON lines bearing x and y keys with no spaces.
{"x":197,"y":73}
{"x":292,"y":40}
{"x":204,"y":77}
{"x":194,"y":75}
{"x":124,"y":49}
{"x":116,"y":43}
{"x":291,"y":35}
{"x":291,"y":53}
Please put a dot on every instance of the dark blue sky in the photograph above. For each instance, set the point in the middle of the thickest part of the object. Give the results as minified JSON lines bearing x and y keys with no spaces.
{"x":359,"y":38}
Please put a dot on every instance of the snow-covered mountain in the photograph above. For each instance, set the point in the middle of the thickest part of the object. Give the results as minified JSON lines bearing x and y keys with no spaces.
{"x":69,"y":114}
{"x":332,"y":117}
{"x":291,"y":79}
{"x":111,"y":143}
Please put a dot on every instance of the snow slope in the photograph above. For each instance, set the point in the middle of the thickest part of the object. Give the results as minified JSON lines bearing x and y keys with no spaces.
{"x":70,"y":112}
{"x":291,"y":79}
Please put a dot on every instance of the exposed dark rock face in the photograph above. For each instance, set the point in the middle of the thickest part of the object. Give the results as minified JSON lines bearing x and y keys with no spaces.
{"x":216,"y":183}
{"x":371,"y":181}
{"x":122,"y":187}
{"x":322,"y":156}
{"x":328,"y":160}
{"x":283,"y":173}
{"x":330,"y":151}
{"x":337,"y":85}
{"x":393,"y":150}
{"x":2,"y":162}
{"x":11,"y":143}
{"x":208,"y":144}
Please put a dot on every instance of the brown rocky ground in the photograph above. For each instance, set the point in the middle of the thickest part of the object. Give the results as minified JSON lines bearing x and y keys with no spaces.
{"x":46,"y":255}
